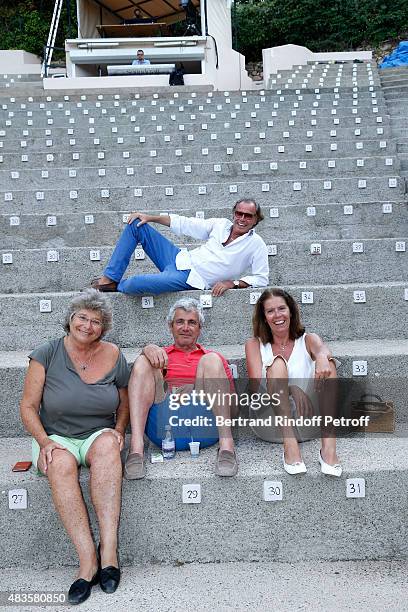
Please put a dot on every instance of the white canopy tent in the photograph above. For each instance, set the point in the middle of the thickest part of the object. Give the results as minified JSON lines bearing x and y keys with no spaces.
{"x":205,"y":52}
{"x":96,"y":12}
{"x":215,"y":15}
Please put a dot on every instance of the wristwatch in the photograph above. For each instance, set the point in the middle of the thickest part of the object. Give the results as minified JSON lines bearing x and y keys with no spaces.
{"x":236,"y":284}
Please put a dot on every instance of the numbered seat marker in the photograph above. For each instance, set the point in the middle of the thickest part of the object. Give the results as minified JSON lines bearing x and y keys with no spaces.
{"x":17,"y":499}
{"x":272,"y":490}
{"x":147,"y":301}
{"x":233,"y":369}
{"x":139,"y":253}
{"x":52,"y":255}
{"x":191,"y":494}
{"x":359,"y":297}
{"x":95,"y":255}
{"x":355,"y":487}
{"x":360,"y":368}
{"x":254,"y":297}
{"x":358,"y":247}
{"x":307,"y":297}
{"x":206,"y":300}
{"x":45,"y":305}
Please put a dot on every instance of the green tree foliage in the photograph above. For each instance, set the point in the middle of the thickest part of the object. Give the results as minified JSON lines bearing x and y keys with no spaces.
{"x":320,"y":25}
{"x":24,"y":24}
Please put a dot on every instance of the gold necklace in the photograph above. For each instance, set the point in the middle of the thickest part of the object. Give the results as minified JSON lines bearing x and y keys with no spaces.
{"x":284,"y":346}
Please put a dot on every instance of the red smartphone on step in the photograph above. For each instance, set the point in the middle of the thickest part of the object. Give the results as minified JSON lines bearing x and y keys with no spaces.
{"x":21,"y":466}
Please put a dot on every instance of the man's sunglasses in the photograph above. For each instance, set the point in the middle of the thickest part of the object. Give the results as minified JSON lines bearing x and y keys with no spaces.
{"x":243,"y":214}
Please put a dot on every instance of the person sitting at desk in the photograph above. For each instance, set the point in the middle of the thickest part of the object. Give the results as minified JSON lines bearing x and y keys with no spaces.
{"x":138,"y":18}
{"x":140,"y":58}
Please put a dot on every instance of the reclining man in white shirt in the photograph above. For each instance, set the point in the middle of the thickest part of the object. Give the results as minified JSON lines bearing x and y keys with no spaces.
{"x":231,"y":248}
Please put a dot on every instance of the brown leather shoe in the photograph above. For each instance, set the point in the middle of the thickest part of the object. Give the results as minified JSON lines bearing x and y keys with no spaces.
{"x":226,"y":463}
{"x":135,"y":467}
{"x":104,"y":287}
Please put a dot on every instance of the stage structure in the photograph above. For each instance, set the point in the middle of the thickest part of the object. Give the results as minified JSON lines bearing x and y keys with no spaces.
{"x":192,"y":34}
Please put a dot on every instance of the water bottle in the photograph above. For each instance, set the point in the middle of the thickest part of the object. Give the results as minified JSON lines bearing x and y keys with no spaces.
{"x":168,"y":444}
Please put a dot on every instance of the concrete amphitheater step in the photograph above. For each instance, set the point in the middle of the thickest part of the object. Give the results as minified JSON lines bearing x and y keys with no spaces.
{"x":318,"y":88}
{"x":96,"y":117}
{"x":387,"y":372}
{"x":188,"y":103}
{"x":76,"y":93}
{"x":300,"y":105}
{"x":333,"y":314}
{"x":71,"y":268}
{"x":258,"y":169}
{"x":281,"y":531}
{"x":189,"y":152}
{"x":181,"y":95}
{"x":206,"y":194}
{"x":189,"y":132}
{"x":307,"y":585}
{"x":396,"y":93}
{"x":398,"y":123}
{"x":328,"y":221}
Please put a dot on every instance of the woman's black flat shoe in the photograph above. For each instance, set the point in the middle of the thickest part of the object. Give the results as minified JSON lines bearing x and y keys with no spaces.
{"x":80,"y":590}
{"x":109,"y":579}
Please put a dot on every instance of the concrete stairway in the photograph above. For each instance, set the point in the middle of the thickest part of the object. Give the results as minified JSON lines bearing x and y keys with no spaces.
{"x":395,"y":86}
{"x":321,"y":155}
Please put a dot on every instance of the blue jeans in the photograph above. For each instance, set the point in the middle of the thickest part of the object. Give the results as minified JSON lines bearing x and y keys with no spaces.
{"x":161,"y":251}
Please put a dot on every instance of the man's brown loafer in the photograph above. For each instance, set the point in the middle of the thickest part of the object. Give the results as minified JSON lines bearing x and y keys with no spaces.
{"x":104,"y":287}
{"x":134,"y":467}
{"x":226,"y":463}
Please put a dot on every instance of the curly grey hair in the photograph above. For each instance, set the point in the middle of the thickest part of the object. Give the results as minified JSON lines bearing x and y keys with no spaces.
{"x":186,"y":304}
{"x":90,"y":299}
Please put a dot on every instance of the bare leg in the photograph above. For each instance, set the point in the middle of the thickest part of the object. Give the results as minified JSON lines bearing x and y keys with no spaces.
{"x":212,"y":379}
{"x":69,"y":503}
{"x":277,"y":382}
{"x":105,"y":464}
{"x":328,"y":407}
{"x":142,"y":390}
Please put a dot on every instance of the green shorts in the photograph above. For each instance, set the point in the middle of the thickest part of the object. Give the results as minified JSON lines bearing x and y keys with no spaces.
{"x":77,"y":447}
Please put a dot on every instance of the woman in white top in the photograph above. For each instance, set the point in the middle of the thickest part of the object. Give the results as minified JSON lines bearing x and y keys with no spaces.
{"x":295,"y":365}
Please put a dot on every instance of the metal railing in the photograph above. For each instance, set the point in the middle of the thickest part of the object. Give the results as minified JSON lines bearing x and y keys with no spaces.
{"x":46,"y":65}
{"x":49,"y":47}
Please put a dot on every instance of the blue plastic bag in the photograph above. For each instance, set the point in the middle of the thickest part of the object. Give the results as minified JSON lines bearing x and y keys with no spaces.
{"x":399,"y":57}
